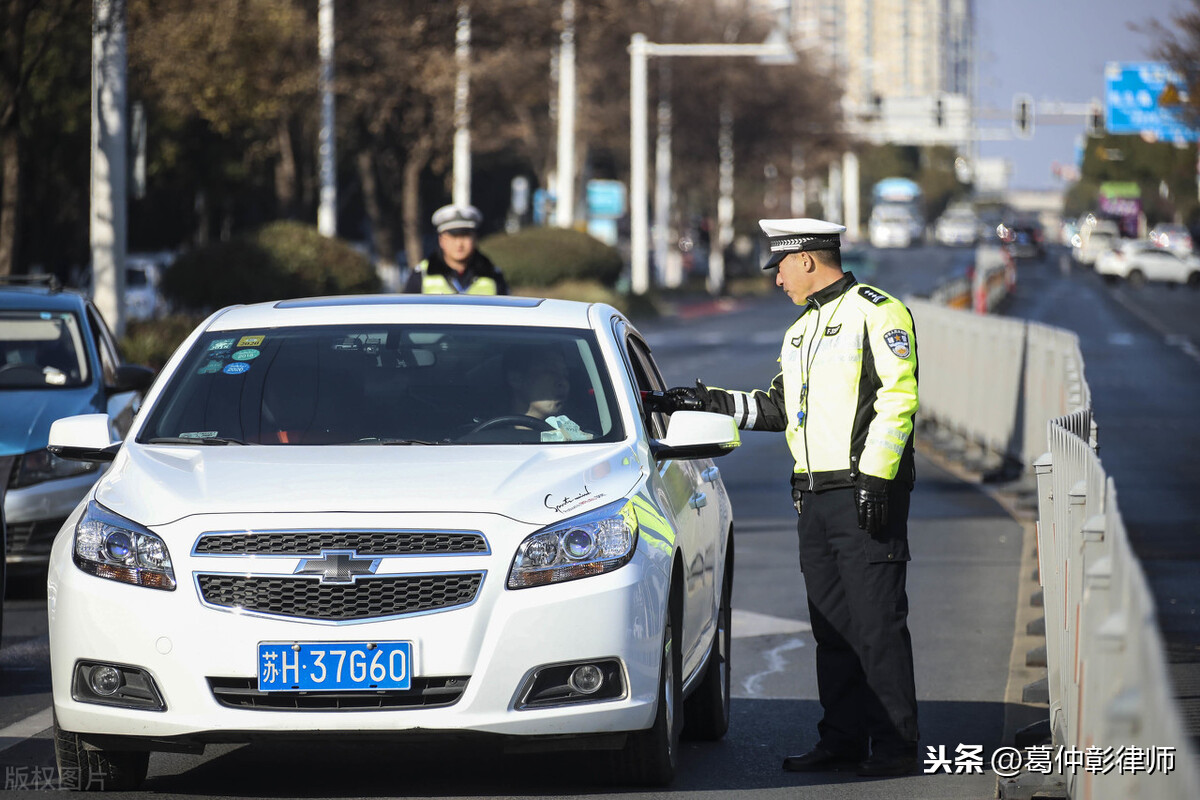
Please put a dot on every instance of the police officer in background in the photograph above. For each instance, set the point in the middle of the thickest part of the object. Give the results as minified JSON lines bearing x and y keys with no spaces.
{"x":457,"y":267}
{"x":845,"y":397}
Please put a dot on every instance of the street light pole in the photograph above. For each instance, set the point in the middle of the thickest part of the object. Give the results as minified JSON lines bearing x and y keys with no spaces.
{"x":639,"y":234}
{"x":107,"y":224}
{"x":327,"y":137}
{"x":564,"y":190}
{"x":639,"y":51}
{"x":461,"y":192}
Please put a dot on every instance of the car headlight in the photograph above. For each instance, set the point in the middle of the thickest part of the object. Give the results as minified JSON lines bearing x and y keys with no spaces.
{"x":109,"y":546}
{"x":42,"y":465}
{"x":590,"y":544}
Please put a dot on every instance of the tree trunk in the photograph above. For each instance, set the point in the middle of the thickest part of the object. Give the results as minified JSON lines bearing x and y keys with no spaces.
{"x":10,"y":185}
{"x":381,"y":229}
{"x":285,"y":171}
{"x":418,"y":157}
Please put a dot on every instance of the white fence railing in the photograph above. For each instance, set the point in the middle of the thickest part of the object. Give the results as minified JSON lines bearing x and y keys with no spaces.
{"x":1017,"y":389}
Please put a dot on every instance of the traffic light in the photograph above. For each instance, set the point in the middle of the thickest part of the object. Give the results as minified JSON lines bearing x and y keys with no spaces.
{"x":939,"y":113}
{"x":1023,"y":116}
{"x":1095,"y":121}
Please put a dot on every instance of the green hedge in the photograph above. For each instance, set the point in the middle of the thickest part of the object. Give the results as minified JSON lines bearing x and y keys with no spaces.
{"x":278,"y":261}
{"x":151,"y":342}
{"x":549,"y":256}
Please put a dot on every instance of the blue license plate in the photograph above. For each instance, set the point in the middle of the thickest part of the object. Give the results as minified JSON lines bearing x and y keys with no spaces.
{"x":334,"y":666}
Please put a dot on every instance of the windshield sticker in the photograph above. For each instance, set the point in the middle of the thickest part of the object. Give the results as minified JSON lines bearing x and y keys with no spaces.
{"x":250,"y":341}
{"x":220,"y":344}
{"x":198,"y":435}
{"x":563,"y":504}
{"x":236,"y":368}
{"x":211,"y":367}
{"x":246,"y":355}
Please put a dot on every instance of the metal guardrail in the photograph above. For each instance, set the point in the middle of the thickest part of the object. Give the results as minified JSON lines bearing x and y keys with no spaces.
{"x":1017,"y":390}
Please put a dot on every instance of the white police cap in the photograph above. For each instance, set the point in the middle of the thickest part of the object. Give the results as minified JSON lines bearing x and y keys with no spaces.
{"x":796,"y":235}
{"x":456,"y":218}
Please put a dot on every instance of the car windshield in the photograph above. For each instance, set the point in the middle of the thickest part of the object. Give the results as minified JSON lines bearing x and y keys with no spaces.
{"x":388,"y":384}
{"x":41,"y":349}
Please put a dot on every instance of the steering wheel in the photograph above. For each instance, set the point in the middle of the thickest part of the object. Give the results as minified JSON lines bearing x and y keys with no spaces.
{"x":512,"y":421}
{"x":21,"y":366}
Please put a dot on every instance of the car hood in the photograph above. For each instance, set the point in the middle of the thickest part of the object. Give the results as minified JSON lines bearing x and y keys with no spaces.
{"x":535,"y":484}
{"x":26,"y":415}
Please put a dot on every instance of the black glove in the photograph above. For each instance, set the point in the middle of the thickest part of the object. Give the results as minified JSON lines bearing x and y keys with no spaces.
{"x":678,"y":398}
{"x":871,"y":497}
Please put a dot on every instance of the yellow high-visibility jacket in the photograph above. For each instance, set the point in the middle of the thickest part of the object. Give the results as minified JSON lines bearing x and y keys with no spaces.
{"x":846,"y":393}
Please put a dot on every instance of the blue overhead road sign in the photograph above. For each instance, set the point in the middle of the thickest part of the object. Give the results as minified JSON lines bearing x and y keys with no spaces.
{"x":1142,"y":97}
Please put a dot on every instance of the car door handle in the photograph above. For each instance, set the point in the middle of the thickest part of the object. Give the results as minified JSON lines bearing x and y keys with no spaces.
{"x":710,"y":475}
{"x":698,"y":501}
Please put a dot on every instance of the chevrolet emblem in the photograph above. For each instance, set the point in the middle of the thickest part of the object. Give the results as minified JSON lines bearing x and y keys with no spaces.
{"x":338,"y":566}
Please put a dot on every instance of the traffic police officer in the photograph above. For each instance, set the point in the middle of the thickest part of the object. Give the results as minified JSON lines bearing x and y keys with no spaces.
{"x":845,"y":396}
{"x":457,"y":267}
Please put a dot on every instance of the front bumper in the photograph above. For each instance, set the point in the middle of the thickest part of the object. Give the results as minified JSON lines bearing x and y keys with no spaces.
{"x":494,"y":644}
{"x":33,"y":515}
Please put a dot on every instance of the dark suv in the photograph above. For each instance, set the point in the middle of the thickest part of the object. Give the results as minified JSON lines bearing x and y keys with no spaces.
{"x":1025,"y":240}
{"x":57,"y":359}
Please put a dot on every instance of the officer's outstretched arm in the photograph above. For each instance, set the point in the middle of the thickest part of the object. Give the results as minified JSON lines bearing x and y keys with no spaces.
{"x":757,"y":410}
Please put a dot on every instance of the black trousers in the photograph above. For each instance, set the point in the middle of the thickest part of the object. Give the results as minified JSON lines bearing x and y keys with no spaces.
{"x":859,"y":611}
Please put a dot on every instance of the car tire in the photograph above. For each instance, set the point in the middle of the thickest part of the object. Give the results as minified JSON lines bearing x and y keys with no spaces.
{"x":1136,"y":278}
{"x":706,"y":711}
{"x":650,"y":757}
{"x":1193,"y":280}
{"x":85,"y":770}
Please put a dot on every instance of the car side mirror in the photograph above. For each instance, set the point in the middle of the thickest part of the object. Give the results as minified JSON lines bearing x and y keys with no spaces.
{"x":697,"y":434}
{"x":132,"y":378}
{"x":86,"y":437}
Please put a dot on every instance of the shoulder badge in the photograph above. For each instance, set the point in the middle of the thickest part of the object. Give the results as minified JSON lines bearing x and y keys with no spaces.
{"x":878,"y":298}
{"x":898,"y":342}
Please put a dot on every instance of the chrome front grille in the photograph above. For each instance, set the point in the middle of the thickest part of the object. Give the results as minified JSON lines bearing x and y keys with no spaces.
{"x":306,"y":598}
{"x":425,"y":693}
{"x":365,"y":543}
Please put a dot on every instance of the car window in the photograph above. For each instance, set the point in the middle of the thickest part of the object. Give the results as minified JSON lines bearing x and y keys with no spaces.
{"x":648,"y":379}
{"x":42,"y":349}
{"x":106,"y":345}
{"x":385,"y":384}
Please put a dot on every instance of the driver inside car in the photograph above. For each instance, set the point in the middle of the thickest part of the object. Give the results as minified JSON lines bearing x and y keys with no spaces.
{"x":538,"y":382}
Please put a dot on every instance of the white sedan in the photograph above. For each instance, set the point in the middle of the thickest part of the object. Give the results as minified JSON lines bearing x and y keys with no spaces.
{"x":393,"y":514}
{"x":1140,"y":260}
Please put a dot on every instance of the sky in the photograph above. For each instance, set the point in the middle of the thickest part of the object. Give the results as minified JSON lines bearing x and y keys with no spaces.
{"x":1054,"y":50}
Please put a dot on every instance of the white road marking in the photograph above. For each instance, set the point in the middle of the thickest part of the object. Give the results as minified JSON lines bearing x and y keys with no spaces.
{"x":776,"y":662}
{"x":27,"y":728}
{"x":751,"y":623}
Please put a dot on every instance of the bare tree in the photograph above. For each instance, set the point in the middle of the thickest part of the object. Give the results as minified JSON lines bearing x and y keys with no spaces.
{"x":1179,"y":46}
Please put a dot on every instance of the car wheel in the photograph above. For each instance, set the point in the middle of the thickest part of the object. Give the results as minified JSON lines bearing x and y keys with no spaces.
{"x":1136,"y":279}
{"x":650,"y":757}
{"x":1193,"y":280}
{"x":85,"y":770}
{"x":706,"y":711}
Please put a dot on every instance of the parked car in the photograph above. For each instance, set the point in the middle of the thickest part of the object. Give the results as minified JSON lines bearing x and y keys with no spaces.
{"x":894,"y":225}
{"x":1140,"y":260}
{"x":1172,"y":237}
{"x":143,"y":285}
{"x":958,"y":226}
{"x":57,"y":359}
{"x":337,"y":517}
